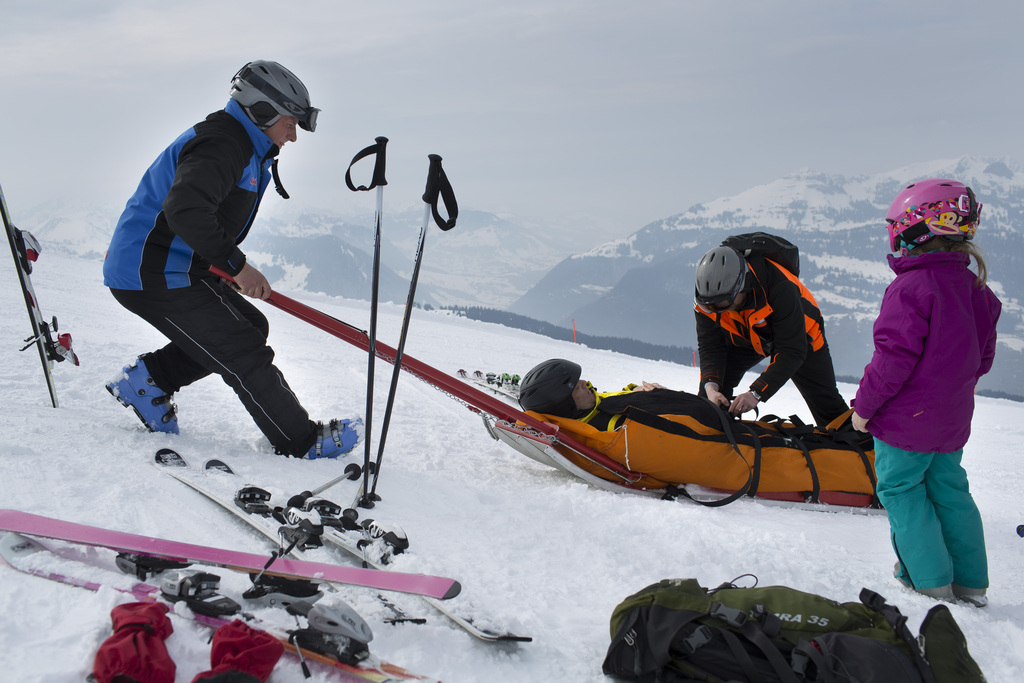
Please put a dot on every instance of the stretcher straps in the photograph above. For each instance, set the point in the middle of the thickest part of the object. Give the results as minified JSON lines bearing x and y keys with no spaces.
{"x":794,"y":432}
{"x":755,"y":472}
{"x":668,"y":426}
{"x":848,"y":436}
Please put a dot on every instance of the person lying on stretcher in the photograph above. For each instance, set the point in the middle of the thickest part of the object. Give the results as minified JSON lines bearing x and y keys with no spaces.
{"x":554,"y":387}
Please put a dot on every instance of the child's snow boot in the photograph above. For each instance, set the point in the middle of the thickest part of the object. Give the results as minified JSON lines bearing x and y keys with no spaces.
{"x":944,"y":593}
{"x":335,"y":439}
{"x":972,"y":596}
{"x":135,"y":389}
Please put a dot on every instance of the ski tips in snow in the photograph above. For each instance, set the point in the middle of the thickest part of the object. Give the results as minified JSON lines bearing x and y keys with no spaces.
{"x":214,"y":465}
{"x":169,"y":458}
{"x":453,"y":591}
{"x":503,"y":384}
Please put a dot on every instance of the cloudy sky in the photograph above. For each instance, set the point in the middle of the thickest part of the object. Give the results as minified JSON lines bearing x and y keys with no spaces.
{"x":593,"y":114}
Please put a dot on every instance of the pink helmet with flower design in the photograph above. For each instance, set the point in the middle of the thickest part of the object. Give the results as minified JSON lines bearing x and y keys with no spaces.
{"x":936,"y":207}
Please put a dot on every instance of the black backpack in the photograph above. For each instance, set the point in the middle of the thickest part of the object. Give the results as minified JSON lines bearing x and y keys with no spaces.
{"x":772,"y":247}
{"x":677,"y":631}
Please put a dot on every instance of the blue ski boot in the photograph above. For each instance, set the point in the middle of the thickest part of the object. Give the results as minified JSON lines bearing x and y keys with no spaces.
{"x":135,"y":389}
{"x":336,"y":438}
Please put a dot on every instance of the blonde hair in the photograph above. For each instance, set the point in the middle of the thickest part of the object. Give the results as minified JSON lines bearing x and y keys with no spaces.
{"x":964,"y":247}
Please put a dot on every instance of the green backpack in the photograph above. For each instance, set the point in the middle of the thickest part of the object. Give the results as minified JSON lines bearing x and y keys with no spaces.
{"x":677,"y":631}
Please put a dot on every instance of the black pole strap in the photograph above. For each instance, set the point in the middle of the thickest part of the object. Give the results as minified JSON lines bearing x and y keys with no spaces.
{"x":277,"y":181}
{"x":380,"y":162}
{"x":438,"y":185}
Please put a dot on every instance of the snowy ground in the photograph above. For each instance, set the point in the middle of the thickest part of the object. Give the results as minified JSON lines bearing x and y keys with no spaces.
{"x":537,"y":552}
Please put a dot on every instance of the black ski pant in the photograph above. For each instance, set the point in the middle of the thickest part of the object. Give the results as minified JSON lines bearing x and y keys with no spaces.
{"x":815,"y":380}
{"x":213,"y":330}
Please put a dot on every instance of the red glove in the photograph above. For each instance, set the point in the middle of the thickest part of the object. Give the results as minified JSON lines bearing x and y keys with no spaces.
{"x":136,"y":650}
{"x":245,"y":652}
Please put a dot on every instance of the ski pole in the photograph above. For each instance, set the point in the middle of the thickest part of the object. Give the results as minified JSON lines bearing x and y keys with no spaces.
{"x":378,"y":149}
{"x":437,"y":186}
{"x":352,"y":471}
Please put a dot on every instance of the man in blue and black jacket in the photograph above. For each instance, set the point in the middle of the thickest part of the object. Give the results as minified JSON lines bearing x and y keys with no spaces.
{"x":192,"y":209}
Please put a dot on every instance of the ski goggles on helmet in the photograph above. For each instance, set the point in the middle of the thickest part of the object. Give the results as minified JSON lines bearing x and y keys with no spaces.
{"x":305,"y":115}
{"x":721,"y":302}
{"x":719,"y":305}
{"x":954,"y":218}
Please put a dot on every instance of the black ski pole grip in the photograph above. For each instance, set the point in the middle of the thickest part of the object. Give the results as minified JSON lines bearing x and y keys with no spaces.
{"x":379,"y":165}
{"x":438,"y":185}
{"x":299,"y":499}
{"x":380,"y":162}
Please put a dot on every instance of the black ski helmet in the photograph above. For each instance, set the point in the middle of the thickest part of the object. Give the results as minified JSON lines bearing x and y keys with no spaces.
{"x":267,"y":91}
{"x":721,"y":276}
{"x":547,"y":387}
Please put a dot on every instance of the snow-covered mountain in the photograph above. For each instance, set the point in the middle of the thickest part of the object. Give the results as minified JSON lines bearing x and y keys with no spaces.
{"x":486,"y":260}
{"x":642,"y":286}
{"x":536,"y":551}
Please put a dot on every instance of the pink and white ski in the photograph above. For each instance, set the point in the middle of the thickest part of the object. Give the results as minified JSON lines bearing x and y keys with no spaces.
{"x":438,"y":587}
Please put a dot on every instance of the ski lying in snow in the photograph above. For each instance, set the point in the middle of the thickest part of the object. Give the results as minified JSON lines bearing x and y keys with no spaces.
{"x":339,"y":530}
{"x":46,"y":527}
{"x":173,"y":464}
{"x":322,"y":640}
{"x":25,"y":249}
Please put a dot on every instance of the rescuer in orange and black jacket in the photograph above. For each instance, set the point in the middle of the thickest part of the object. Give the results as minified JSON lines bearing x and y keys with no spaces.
{"x":749,"y":311}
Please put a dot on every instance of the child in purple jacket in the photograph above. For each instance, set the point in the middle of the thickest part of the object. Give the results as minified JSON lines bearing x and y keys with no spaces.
{"x":934,"y":337}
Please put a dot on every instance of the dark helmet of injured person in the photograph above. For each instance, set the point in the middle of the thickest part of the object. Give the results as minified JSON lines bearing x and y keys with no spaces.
{"x":547,"y":388}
